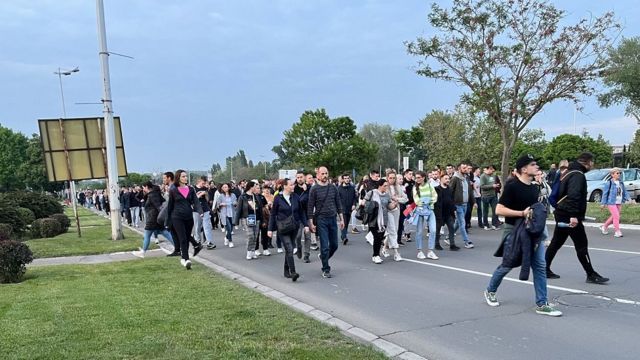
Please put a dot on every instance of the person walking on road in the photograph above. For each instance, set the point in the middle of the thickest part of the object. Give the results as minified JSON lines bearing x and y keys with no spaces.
{"x":376,"y":203}
{"x":613,"y":196}
{"x":349,"y":199}
{"x":249,"y":209}
{"x":569,"y":215}
{"x":323,"y":208}
{"x":515,"y":204}
{"x":287,"y":215}
{"x":398,"y":198}
{"x":152,"y":204}
{"x":425,"y":196}
{"x":227,"y":203}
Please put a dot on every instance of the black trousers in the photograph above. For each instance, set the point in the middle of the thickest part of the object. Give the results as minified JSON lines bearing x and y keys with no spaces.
{"x":176,"y":239}
{"x":449,"y":222}
{"x":467,"y":215}
{"x":403,"y":207}
{"x":183,"y":229}
{"x":287,"y":242}
{"x":264,"y":238}
{"x":580,"y":242}
{"x":378,"y":238}
{"x":347,"y":219}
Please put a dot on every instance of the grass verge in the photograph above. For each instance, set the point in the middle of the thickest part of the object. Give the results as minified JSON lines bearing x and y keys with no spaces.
{"x":96,"y":238}
{"x":154,"y":309}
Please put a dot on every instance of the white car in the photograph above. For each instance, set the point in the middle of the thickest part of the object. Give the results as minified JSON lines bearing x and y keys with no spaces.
{"x":597,"y":179}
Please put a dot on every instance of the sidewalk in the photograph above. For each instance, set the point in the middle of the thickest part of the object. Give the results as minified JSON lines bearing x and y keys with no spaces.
{"x":93,"y":259}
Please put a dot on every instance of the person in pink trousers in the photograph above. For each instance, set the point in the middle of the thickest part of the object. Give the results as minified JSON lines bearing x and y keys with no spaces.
{"x":613,"y":196}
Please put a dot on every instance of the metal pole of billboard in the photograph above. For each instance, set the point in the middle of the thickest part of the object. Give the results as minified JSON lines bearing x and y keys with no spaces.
{"x":72,"y":184}
{"x":109,"y":128}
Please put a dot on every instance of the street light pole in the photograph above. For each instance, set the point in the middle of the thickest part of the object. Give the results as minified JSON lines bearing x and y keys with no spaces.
{"x":72,"y":184}
{"x":110,"y":133}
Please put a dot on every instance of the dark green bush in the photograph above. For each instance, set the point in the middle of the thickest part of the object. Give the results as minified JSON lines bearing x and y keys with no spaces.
{"x":46,"y":228}
{"x":9,"y":214}
{"x":6,"y":231}
{"x":41,"y":204}
{"x":64,"y":221}
{"x":27,"y":215}
{"x":14,"y":256}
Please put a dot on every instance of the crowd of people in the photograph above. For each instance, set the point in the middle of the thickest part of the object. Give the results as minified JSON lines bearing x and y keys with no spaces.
{"x":316,"y":212}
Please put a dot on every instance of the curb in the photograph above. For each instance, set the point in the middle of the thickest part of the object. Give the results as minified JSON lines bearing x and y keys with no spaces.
{"x":388,"y":348}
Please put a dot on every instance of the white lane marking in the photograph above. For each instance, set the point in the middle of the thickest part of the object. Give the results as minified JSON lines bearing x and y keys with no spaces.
{"x":609,"y":250}
{"x":574,"y":291}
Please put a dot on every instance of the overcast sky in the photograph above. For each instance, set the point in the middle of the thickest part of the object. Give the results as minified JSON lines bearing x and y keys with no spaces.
{"x":212,"y":77}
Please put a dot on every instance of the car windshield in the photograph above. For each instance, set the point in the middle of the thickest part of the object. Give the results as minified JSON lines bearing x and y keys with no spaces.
{"x":596,"y":175}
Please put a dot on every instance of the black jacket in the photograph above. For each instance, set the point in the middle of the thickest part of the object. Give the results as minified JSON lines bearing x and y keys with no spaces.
{"x":280,"y":210}
{"x":444,"y":206}
{"x":572,"y":199}
{"x":180,"y":207}
{"x":152,"y":204}
{"x":242,"y":210}
{"x":518,"y":246}
{"x":348,"y":196}
{"x":125,"y":201}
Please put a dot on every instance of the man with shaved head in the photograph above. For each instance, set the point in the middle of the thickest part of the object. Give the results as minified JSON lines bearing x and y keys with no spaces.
{"x":323,"y":208}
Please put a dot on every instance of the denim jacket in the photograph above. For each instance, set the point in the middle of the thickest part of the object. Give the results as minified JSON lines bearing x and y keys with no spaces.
{"x":609,"y":193}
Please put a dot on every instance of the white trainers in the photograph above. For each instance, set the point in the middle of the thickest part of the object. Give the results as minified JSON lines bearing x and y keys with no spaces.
{"x":604,"y":230}
{"x":487,"y":228}
{"x":376,"y":259}
{"x":469,"y":245}
{"x":226,"y":242}
{"x":187,"y":264}
{"x":249,"y":255}
{"x":157,"y":241}
{"x":254,"y":255}
{"x":421,"y":255}
{"x":385,"y":253}
{"x":266,"y":253}
{"x":431,"y":255}
{"x":280,"y":251}
{"x":446,"y":241}
{"x":295,"y":250}
{"x":491,"y":299}
{"x":182,"y":262}
{"x":138,"y":253}
{"x":258,"y":253}
{"x":617,"y":234}
{"x":230,"y":243}
{"x":397,"y":257}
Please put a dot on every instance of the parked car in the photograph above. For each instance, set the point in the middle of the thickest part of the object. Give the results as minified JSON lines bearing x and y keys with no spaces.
{"x":597,"y":179}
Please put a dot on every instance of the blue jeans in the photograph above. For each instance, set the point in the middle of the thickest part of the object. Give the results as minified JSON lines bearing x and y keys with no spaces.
{"x":461,"y":211}
{"x":538,"y":267}
{"x":327,"y":229}
{"x":431,"y":222}
{"x":489,"y":201}
{"x":147,"y":237}
{"x":228,"y":227}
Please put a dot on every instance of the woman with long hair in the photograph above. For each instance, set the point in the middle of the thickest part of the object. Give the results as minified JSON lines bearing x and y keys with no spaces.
{"x":152,"y":203}
{"x":287,"y":215}
{"x":398,"y":197}
{"x":227,"y":203}
{"x":425,"y":196}
{"x":613,"y":196}
{"x":250,"y":209}
{"x":183,"y":202}
{"x":376,"y":204}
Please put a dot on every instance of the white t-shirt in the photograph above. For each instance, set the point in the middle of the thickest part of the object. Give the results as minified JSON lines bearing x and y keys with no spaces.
{"x":618,"y":192}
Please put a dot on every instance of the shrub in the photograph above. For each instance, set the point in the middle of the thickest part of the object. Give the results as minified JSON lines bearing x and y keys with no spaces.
{"x":41,"y":204}
{"x":6,"y":231}
{"x":9,"y":214}
{"x":64,"y":221}
{"x":14,"y":256}
{"x":27,"y":215}
{"x":46,"y":228}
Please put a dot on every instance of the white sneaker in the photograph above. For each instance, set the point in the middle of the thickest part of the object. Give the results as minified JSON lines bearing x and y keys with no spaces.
{"x":604,"y":230}
{"x":385,"y":253}
{"x":266,"y":253}
{"x":258,"y":253}
{"x":617,"y":234}
{"x":222,"y":229}
{"x":236,"y":228}
{"x":431,"y":255}
{"x":376,"y":259}
{"x":295,"y":251}
{"x":487,"y":228}
{"x":187,"y":264}
{"x":182,"y":262}
{"x":230,"y":244}
{"x":254,"y":255}
{"x":280,"y":251}
{"x":397,"y":257}
{"x":249,"y":255}
{"x":441,"y":231}
{"x":233,"y":233}
{"x":469,"y":245}
{"x":157,"y":241}
{"x":226,"y":242}
{"x":138,"y":253}
{"x":421,"y":255}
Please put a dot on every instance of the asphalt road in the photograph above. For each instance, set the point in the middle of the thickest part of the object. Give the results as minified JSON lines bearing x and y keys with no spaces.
{"x":437,"y":308}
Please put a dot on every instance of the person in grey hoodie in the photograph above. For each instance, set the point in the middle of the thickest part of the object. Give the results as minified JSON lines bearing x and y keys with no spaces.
{"x":462,"y":193}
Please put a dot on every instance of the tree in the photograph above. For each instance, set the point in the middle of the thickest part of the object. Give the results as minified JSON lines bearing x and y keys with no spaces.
{"x":442,"y":138}
{"x":33,"y":170}
{"x":383,"y":137}
{"x":13,"y":153}
{"x":133,"y":179}
{"x":319,"y":140}
{"x":532,"y":142}
{"x":513,"y":58}
{"x":623,"y":77}
{"x":633,"y":154}
{"x":567,"y":146}
{"x":411,"y":143}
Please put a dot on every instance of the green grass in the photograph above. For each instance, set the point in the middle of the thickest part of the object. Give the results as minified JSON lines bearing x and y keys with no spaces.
{"x":630,"y":213}
{"x":154,"y":309}
{"x":96,"y":238}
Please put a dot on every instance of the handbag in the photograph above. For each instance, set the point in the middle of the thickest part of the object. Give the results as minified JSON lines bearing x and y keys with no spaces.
{"x":287,"y":226}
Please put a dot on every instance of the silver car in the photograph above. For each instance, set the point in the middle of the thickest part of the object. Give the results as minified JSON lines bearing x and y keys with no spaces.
{"x":597,"y":179}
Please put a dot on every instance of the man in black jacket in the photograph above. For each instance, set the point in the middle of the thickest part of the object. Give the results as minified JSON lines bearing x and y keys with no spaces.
{"x":349,"y":200}
{"x":572,"y":206}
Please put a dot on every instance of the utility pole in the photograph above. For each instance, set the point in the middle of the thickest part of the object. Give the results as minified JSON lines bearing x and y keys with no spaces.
{"x":110,"y":132}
